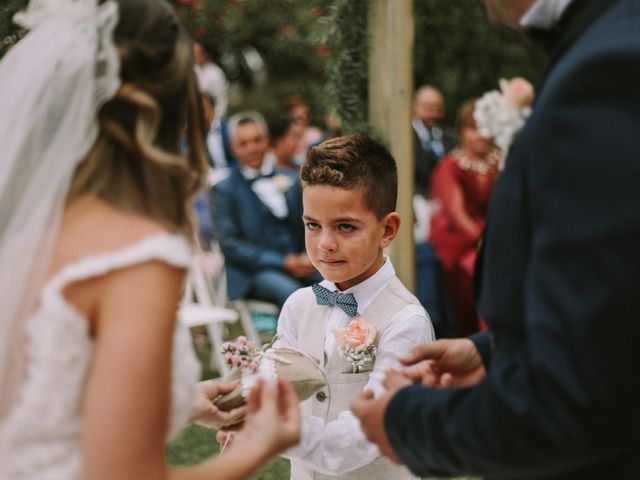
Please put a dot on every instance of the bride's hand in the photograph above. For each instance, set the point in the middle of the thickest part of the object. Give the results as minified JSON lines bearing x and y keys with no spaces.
{"x":205,"y":413}
{"x":273,"y":419}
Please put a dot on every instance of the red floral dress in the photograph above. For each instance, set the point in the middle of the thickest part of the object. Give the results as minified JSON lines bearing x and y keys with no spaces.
{"x":462,"y":187}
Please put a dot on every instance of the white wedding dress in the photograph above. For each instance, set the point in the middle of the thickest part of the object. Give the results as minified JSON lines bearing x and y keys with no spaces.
{"x":40,"y":439}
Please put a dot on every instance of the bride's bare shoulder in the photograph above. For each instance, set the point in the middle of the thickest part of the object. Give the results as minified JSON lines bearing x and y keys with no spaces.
{"x":90,"y":226}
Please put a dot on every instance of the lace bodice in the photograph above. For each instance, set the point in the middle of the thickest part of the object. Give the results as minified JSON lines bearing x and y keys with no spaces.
{"x":41,"y":437}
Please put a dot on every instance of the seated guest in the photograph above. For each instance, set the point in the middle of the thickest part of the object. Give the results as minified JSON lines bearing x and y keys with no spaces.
{"x":298,"y":108}
{"x":462,"y":184}
{"x":286,"y":135}
{"x":258,"y":219}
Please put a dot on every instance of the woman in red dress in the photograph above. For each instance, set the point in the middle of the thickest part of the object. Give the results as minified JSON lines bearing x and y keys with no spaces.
{"x":462,"y":185}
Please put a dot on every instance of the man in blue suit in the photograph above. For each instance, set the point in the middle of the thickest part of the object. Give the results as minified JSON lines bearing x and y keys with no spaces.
{"x":552,"y":392}
{"x":258,"y":219}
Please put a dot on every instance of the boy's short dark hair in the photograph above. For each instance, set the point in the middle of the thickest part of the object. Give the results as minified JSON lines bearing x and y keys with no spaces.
{"x":355,"y":162}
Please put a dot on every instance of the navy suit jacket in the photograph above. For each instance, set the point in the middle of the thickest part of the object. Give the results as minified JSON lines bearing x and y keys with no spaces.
{"x":558,"y":282}
{"x":249,"y":234}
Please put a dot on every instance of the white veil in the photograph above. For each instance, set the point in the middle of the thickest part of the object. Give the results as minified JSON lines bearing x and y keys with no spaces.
{"x":52,"y":84}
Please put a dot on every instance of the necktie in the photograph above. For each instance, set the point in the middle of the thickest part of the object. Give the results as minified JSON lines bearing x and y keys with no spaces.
{"x":345,"y":301}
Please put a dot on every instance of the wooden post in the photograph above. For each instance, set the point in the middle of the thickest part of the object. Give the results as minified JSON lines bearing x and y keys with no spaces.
{"x":391,"y":28}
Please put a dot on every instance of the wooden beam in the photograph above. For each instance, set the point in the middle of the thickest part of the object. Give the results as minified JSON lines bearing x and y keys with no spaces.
{"x":391,"y":27}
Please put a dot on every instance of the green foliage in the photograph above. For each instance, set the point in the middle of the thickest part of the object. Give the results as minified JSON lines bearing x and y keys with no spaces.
{"x":283,"y":32}
{"x":457,"y":51}
{"x":347,"y":86}
{"x":10,"y":33}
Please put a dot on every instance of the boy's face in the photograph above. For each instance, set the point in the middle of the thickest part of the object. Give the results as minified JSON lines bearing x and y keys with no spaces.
{"x":344,"y":239}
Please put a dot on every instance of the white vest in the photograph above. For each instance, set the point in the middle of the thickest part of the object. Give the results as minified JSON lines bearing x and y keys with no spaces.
{"x":343,"y":384}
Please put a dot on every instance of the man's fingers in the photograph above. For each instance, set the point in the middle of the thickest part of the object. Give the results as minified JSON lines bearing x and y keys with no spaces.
{"x":395,"y":380}
{"x":426,"y":351}
{"x":446,"y":380}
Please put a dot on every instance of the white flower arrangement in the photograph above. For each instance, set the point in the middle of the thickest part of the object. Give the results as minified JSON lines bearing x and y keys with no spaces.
{"x":501,"y":114}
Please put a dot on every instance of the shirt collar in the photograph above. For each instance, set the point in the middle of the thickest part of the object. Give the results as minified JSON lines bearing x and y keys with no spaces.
{"x":544,"y":14}
{"x":366,"y":291}
{"x":251,"y":173}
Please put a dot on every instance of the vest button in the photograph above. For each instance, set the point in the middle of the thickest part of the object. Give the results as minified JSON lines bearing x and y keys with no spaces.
{"x":321,"y":396}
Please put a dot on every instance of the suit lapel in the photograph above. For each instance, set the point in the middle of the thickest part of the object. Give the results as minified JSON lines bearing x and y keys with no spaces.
{"x":578,"y":17}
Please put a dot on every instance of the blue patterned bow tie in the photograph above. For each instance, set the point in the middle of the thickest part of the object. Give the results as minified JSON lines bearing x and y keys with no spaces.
{"x":346,"y":301}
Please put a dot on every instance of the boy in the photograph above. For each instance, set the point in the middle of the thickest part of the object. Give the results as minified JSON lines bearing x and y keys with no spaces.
{"x":349,"y":198}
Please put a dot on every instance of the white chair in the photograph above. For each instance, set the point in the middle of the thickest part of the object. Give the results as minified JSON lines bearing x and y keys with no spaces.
{"x":248,"y":305}
{"x":199,"y":307}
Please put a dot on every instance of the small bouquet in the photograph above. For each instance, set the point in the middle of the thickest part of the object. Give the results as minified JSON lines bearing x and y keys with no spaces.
{"x":501,"y":114}
{"x":356,"y":343}
{"x":249,"y":363}
{"x":241,"y":353}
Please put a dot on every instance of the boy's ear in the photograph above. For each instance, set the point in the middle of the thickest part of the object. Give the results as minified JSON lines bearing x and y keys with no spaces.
{"x":391,"y":224}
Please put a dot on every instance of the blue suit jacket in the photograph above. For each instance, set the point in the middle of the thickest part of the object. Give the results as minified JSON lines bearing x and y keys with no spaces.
{"x":558,"y":282}
{"x":249,"y":233}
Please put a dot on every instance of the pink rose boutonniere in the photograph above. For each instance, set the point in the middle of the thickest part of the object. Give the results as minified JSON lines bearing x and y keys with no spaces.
{"x":356,"y":342}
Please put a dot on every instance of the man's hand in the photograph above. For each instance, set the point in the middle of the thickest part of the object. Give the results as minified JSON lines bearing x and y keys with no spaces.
{"x":205,"y":413}
{"x":445,"y":363}
{"x":370,"y":412}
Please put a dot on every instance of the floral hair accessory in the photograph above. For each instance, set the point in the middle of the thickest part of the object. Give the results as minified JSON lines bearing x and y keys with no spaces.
{"x":356,"y":342}
{"x":501,"y":114}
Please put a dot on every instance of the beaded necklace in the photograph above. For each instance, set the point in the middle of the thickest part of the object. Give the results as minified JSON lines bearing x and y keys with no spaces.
{"x":484,"y":166}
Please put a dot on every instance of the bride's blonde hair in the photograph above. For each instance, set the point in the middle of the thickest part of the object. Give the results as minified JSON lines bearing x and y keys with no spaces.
{"x":136,"y":163}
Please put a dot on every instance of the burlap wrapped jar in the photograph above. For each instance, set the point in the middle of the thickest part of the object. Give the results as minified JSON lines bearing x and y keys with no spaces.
{"x":298,"y":368}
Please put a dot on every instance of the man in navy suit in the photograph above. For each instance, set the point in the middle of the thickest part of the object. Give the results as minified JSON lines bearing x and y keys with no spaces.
{"x":552,"y":392}
{"x":258,"y":219}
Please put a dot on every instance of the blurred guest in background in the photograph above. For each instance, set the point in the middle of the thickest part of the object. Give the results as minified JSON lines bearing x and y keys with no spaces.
{"x":209,"y":73}
{"x":258,"y":219}
{"x":432,"y":140}
{"x":462,"y":184}
{"x":299,"y":109}
{"x":285,"y":135}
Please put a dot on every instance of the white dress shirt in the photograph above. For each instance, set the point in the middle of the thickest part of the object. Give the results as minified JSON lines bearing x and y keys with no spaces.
{"x":544,"y":13}
{"x":215,"y":144}
{"x":339,"y":446}
{"x":267,"y":190}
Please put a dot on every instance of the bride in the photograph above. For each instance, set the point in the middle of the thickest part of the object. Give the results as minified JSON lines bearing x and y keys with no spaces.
{"x":95,"y":238}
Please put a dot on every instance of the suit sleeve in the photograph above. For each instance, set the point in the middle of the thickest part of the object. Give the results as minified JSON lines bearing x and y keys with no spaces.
{"x":560,"y":395}
{"x":235,"y":247}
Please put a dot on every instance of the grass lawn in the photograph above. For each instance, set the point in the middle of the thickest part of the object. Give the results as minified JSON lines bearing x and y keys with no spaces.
{"x":195,"y":443}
